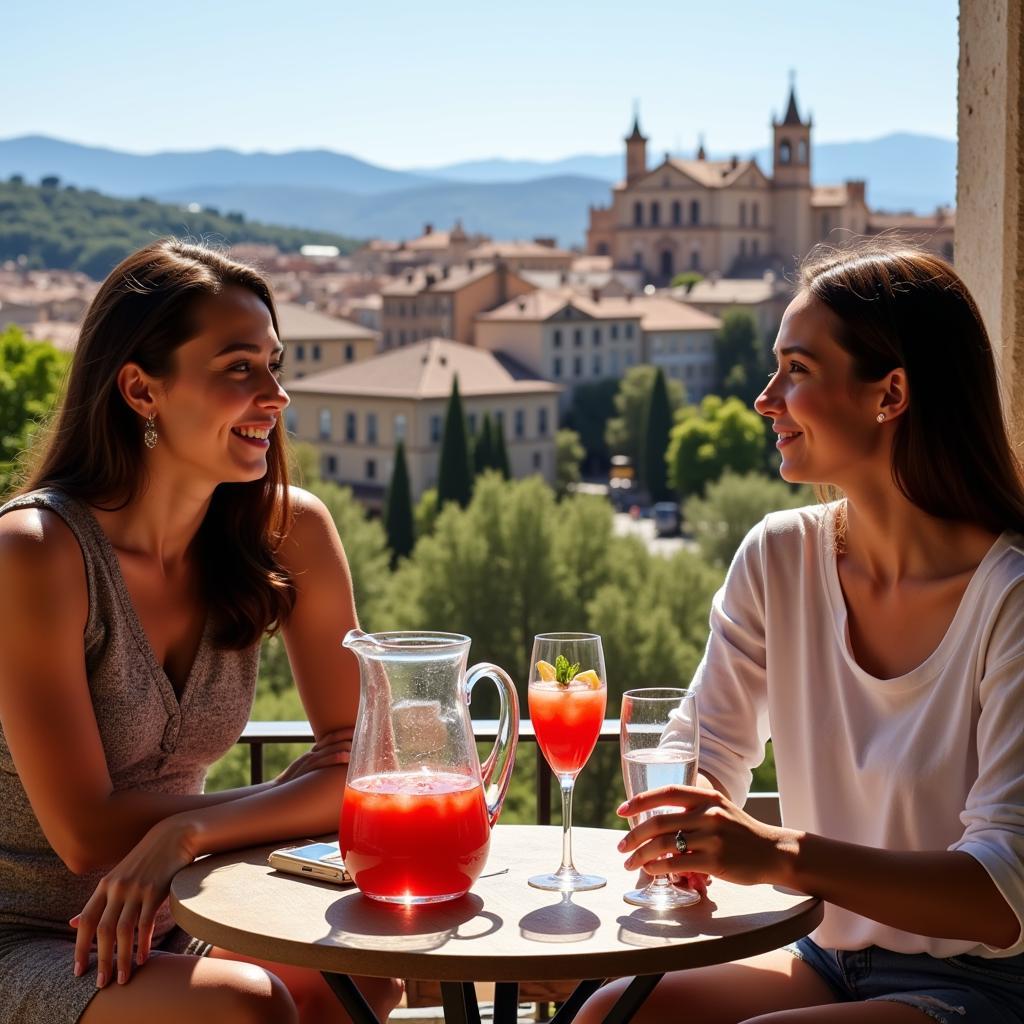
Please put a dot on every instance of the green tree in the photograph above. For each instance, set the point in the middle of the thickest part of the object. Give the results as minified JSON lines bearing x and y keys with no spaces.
{"x":425,"y":514}
{"x":31,"y":374}
{"x":569,"y":454}
{"x":741,"y":368}
{"x":687,"y":279}
{"x":592,"y":406}
{"x":653,"y":469}
{"x":398,"y":509}
{"x":709,"y":439}
{"x":500,"y":460}
{"x":626,"y":430}
{"x":455,"y":476}
{"x":731,"y":506}
{"x":483,"y":447}
{"x":304,"y":466}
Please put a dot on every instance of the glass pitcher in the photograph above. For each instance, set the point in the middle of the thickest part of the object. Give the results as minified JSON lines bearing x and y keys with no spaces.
{"x":418,"y":808}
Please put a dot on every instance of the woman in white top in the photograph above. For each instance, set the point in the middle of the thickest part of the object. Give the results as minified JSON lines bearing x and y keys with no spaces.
{"x":879,"y":640}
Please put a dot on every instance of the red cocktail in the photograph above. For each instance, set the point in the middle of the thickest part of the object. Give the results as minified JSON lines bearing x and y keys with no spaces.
{"x":411,"y":837}
{"x":567,"y":722}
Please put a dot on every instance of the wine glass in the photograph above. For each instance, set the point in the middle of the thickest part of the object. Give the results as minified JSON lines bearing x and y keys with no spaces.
{"x":567,"y":696}
{"x":659,"y":741}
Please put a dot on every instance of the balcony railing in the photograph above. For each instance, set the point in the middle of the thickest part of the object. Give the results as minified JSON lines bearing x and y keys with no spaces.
{"x":764,"y":806}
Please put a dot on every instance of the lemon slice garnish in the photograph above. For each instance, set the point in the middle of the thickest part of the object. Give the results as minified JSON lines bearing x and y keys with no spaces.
{"x":590,"y":677}
{"x":546,"y":671}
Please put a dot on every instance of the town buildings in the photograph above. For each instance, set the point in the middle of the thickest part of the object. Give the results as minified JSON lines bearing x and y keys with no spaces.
{"x":316,"y":342}
{"x":731,"y":217}
{"x":355,"y":415}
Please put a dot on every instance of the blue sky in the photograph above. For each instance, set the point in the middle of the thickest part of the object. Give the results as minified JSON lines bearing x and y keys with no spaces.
{"x":408,"y":84}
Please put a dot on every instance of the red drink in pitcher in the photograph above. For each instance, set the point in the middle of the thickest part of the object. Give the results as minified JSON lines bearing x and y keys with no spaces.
{"x":413,"y":837}
{"x":567,"y":722}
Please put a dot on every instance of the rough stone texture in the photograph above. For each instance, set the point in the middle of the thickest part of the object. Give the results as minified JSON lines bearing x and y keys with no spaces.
{"x":990,"y":181}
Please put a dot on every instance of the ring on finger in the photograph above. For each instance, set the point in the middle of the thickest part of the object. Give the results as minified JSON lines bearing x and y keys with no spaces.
{"x":681,"y":844}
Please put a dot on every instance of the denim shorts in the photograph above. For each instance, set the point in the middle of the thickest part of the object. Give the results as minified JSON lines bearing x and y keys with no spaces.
{"x":957,"y":990}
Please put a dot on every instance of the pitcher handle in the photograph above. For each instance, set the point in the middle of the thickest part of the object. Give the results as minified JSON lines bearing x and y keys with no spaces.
{"x":508,"y":735}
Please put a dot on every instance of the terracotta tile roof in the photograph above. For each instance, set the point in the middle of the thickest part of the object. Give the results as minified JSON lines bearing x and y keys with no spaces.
{"x":828,"y":195}
{"x":712,"y":173}
{"x":660,"y":313}
{"x":730,"y":290}
{"x":415,"y":281}
{"x":60,"y":333}
{"x":300,"y":324}
{"x":512,"y":250}
{"x":431,"y":242}
{"x":425,"y":370}
{"x":881,"y":221}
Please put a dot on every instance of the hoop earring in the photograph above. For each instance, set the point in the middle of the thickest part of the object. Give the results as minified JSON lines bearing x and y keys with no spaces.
{"x":150,"y":434}
{"x":880,"y":418}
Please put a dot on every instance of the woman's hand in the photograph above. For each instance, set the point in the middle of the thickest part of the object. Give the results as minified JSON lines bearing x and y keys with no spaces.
{"x":332,"y":748}
{"x":125,"y":903}
{"x":721,"y":839}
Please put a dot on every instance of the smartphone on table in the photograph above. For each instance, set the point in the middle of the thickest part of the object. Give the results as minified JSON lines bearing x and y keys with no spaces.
{"x":312,"y":860}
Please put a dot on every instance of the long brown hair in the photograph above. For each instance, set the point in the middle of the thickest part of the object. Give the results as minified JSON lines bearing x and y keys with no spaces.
{"x":900,"y":306}
{"x":142,"y":313}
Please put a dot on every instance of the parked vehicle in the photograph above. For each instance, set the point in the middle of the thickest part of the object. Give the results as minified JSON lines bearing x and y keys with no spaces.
{"x":666,"y":518}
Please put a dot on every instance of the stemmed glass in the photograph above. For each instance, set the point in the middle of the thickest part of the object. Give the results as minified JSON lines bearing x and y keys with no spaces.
{"x":567,"y":696}
{"x":659,"y":741}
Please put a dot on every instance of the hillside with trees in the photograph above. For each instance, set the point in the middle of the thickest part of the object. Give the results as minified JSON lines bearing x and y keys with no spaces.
{"x":60,"y":227}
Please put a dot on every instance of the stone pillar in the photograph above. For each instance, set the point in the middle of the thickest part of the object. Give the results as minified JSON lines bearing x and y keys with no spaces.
{"x":990,"y":182}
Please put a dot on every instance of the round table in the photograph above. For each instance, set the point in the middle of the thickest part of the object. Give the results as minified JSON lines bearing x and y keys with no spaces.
{"x":502,"y":930}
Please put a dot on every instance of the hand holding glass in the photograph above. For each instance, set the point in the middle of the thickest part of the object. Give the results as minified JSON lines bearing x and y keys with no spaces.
{"x":659,"y":740}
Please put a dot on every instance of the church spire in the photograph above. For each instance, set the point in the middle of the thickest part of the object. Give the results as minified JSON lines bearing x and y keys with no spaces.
{"x":792,"y":113}
{"x":636,"y":133}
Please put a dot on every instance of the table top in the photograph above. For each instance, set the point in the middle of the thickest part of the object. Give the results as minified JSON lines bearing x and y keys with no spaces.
{"x":502,"y":930}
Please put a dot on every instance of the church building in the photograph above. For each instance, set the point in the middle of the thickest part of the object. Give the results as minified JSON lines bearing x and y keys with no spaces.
{"x":725,"y":217}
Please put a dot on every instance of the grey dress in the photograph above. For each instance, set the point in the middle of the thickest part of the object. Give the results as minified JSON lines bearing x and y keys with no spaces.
{"x":153,"y":740}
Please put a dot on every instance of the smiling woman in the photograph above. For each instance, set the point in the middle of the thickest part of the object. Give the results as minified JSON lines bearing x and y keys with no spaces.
{"x":154,"y":544}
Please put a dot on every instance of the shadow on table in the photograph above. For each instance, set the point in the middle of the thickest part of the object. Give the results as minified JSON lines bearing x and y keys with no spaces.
{"x":648,"y":927}
{"x":358,"y":922}
{"x":561,"y":922}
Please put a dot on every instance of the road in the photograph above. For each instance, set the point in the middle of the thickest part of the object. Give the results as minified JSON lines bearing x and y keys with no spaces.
{"x":625,"y":525}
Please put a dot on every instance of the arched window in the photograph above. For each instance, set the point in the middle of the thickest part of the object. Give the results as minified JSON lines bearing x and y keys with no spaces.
{"x":785,"y":152}
{"x":638,"y":214}
{"x":694,"y":211}
{"x":655,"y":213}
{"x":602,"y":248}
{"x":801,"y":151}
{"x":743,"y":215}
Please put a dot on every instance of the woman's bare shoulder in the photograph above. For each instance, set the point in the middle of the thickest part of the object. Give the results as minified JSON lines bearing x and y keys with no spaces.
{"x":40,"y":555}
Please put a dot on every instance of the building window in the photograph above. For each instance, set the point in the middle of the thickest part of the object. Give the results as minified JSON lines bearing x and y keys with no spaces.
{"x":300,"y":353}
{"x":499,"y":419}
{"x":785,"y":152}
{"x":556,"y":367}
{"x":291,"y":421}
{"x":435,"y":429}
{"x":695,"y":259}
{"x":471,"y":423}
{"x":615,"y":332}
{"x":556,"y":338}
{"x":401,"y":337}
{"x":629,"y":331}
{"x":638,"y":214}
{"x":694,"y":211}
{"x":350,"y":353}
{"x":577,"y":367}
{"x":537,"y":460}
{"x":801,"y":151}
{"x":400,"y":428}
{"x":655,"y":213}
{"x":596,"y":336}
{"x":597,"y":366}
{"x":753,"y":246}
{"x":743,"y":215}
{"x":328,"y":466}
{"x":638,"y":259}
{"x":371,"y":469}
{"x":755,"y":211}
{"x":677,"y":213}
{"x":350,"y":426}
{"x":371,"y":428}
{"x":401,"y":309}
{"x":325,"y":424}
{"x":615,"y":364}
{"x":316,"y":353}
{"x":743,"y":247}
{"x":602,"y":248}
{"x":577,"y":337}
{"x":542,"y":422}
{"x":519,"y":423}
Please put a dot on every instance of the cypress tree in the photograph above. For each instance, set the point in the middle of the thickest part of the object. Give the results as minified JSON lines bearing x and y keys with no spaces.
{"x":398,"y":509}
{"x":483,"y":448}
{"x":659,"y":423}
{"x":500,"y":451}
{"x":455,"y":475}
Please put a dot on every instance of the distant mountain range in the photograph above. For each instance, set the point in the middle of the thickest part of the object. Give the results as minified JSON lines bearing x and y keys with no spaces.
{"x":504,"y":198}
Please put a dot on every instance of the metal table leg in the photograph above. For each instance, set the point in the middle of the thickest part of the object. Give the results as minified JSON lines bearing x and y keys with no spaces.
{"x":351,"y":998}
{"x":632,"y":999}
{"x":580,"y":994}
{"x":459,"y":1001}
{"x":506,"y":1002}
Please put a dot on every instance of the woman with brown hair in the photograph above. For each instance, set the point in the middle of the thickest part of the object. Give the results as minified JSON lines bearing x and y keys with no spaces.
{"x":877,"y":640}
{"x":154,"y":545}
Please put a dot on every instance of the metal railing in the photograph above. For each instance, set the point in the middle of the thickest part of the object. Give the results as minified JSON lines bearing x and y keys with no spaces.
{"x":256,"y":735}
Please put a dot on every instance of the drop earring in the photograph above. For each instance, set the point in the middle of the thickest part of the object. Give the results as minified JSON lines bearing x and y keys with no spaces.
{"x":150,"y":434}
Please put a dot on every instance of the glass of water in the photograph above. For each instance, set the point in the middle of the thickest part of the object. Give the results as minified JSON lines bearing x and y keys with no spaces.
{"x":659,"y":741}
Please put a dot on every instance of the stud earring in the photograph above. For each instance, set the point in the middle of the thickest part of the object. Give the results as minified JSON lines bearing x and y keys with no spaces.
{"x":880,"y":417}
{"x":150,"y":434}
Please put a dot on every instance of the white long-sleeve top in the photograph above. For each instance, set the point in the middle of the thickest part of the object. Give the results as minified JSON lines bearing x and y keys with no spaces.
{"x":930,"y":760}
